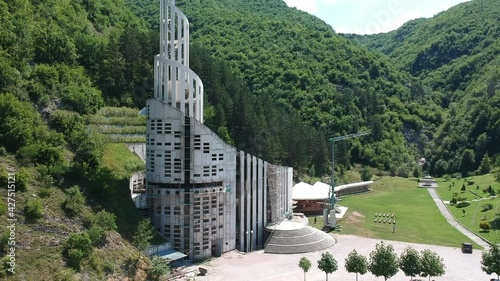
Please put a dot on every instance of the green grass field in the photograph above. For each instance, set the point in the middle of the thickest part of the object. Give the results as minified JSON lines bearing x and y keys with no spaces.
{"x":473,"y":212}
{"x":121,"y":160}
{"x":418,"y":220}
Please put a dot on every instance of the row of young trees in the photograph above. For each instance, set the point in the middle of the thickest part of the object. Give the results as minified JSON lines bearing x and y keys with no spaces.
{"x":383,"y":262}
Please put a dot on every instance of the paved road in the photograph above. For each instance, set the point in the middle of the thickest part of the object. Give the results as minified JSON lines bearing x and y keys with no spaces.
{"x":451,"y":220}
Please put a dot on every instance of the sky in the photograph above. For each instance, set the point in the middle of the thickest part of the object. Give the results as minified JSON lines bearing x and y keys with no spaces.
{"x":371,"y":16}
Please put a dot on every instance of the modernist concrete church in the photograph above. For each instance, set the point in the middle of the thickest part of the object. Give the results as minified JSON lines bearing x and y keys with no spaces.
{"x":205,"y":196}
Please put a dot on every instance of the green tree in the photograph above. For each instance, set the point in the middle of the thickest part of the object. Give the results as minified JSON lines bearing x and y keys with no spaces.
{"x":383,"y":261}
{"x":467,"y":163}
{"x":490,"y":261}
{"x":33,"y":210}
{"x":486,"y":165}
{"x":158,"y":268}
{"x":356,"y":263}
{"x":496,"y":174}
{"x":432,"y":264}
{"x":327,"y":264}
{"x":143,"y":235}
{"x":366,"y":174}
{"x":305,"y":265}
{"x":409,"y":262}
{"x":76,"y":248}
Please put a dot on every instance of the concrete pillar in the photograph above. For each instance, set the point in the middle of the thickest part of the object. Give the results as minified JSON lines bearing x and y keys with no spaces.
{"x":260,"y":198}
{"x":248,"y":162}
{"x":242,"y":202}
{"x":254,"y":204}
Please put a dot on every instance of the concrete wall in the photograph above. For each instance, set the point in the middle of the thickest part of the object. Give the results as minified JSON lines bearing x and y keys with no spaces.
{"x":263,"y":196}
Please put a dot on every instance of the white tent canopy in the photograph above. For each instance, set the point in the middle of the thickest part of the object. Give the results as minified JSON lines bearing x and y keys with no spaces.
{"x":304,"y":191}
{"x":320,"y":191}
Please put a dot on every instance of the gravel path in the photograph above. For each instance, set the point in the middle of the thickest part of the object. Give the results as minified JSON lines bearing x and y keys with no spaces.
{"x":451,"y":220}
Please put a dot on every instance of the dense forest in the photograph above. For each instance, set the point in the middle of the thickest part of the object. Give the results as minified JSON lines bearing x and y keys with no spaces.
{"x":455,"y":55}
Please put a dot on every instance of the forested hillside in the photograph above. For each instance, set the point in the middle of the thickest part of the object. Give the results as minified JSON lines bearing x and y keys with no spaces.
{"x":456,"y":56}
{"x":332,"y":84}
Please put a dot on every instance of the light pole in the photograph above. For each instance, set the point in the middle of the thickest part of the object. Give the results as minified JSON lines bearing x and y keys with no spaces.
{"x":331,"y":192}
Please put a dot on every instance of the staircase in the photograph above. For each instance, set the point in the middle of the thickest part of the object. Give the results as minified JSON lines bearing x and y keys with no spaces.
{"x":296,"y":241}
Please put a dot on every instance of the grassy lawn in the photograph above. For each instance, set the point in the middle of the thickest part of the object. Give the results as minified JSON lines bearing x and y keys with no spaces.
{"x":121,"y":160}
{"x":473,"y":212}
{"x":418,"y":220}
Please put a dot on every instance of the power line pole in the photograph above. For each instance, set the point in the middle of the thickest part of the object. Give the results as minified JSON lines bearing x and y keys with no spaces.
{"x":330,"y":222}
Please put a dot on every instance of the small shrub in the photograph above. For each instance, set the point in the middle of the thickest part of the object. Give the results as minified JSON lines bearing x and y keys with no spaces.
{"x":99,"y":265}
{"x":453,"y":201}
{"x":4,"y":266}
{"x":470,"y":182}
{"x":74,"y":200}
{"x":33,"y":210}
{"x":3,"y":208}
{"x":158,"y":268}
{"x":461,"y":198}
{"x":96,"y":234}
{"x":457,"y":176}
{"x":106,"y":220}
{"x":463,"y":189}
{"x":75,"y":257}
{"x":4,"y":176}
{"x":23,"y":178}
{"x":45,"y":192}
{"x":77,"y":247}
{"x":3,"y":151}
{"x":447,"y":177}
{"x":484,"y":225}
{"x":65,"y":275}
{"x":462,"y":204}
{"x":486,"y":207}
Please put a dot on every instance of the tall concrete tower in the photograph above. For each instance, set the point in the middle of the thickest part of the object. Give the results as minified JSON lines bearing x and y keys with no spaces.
{"x":190,"y":171}
{"x":205,"y":197}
